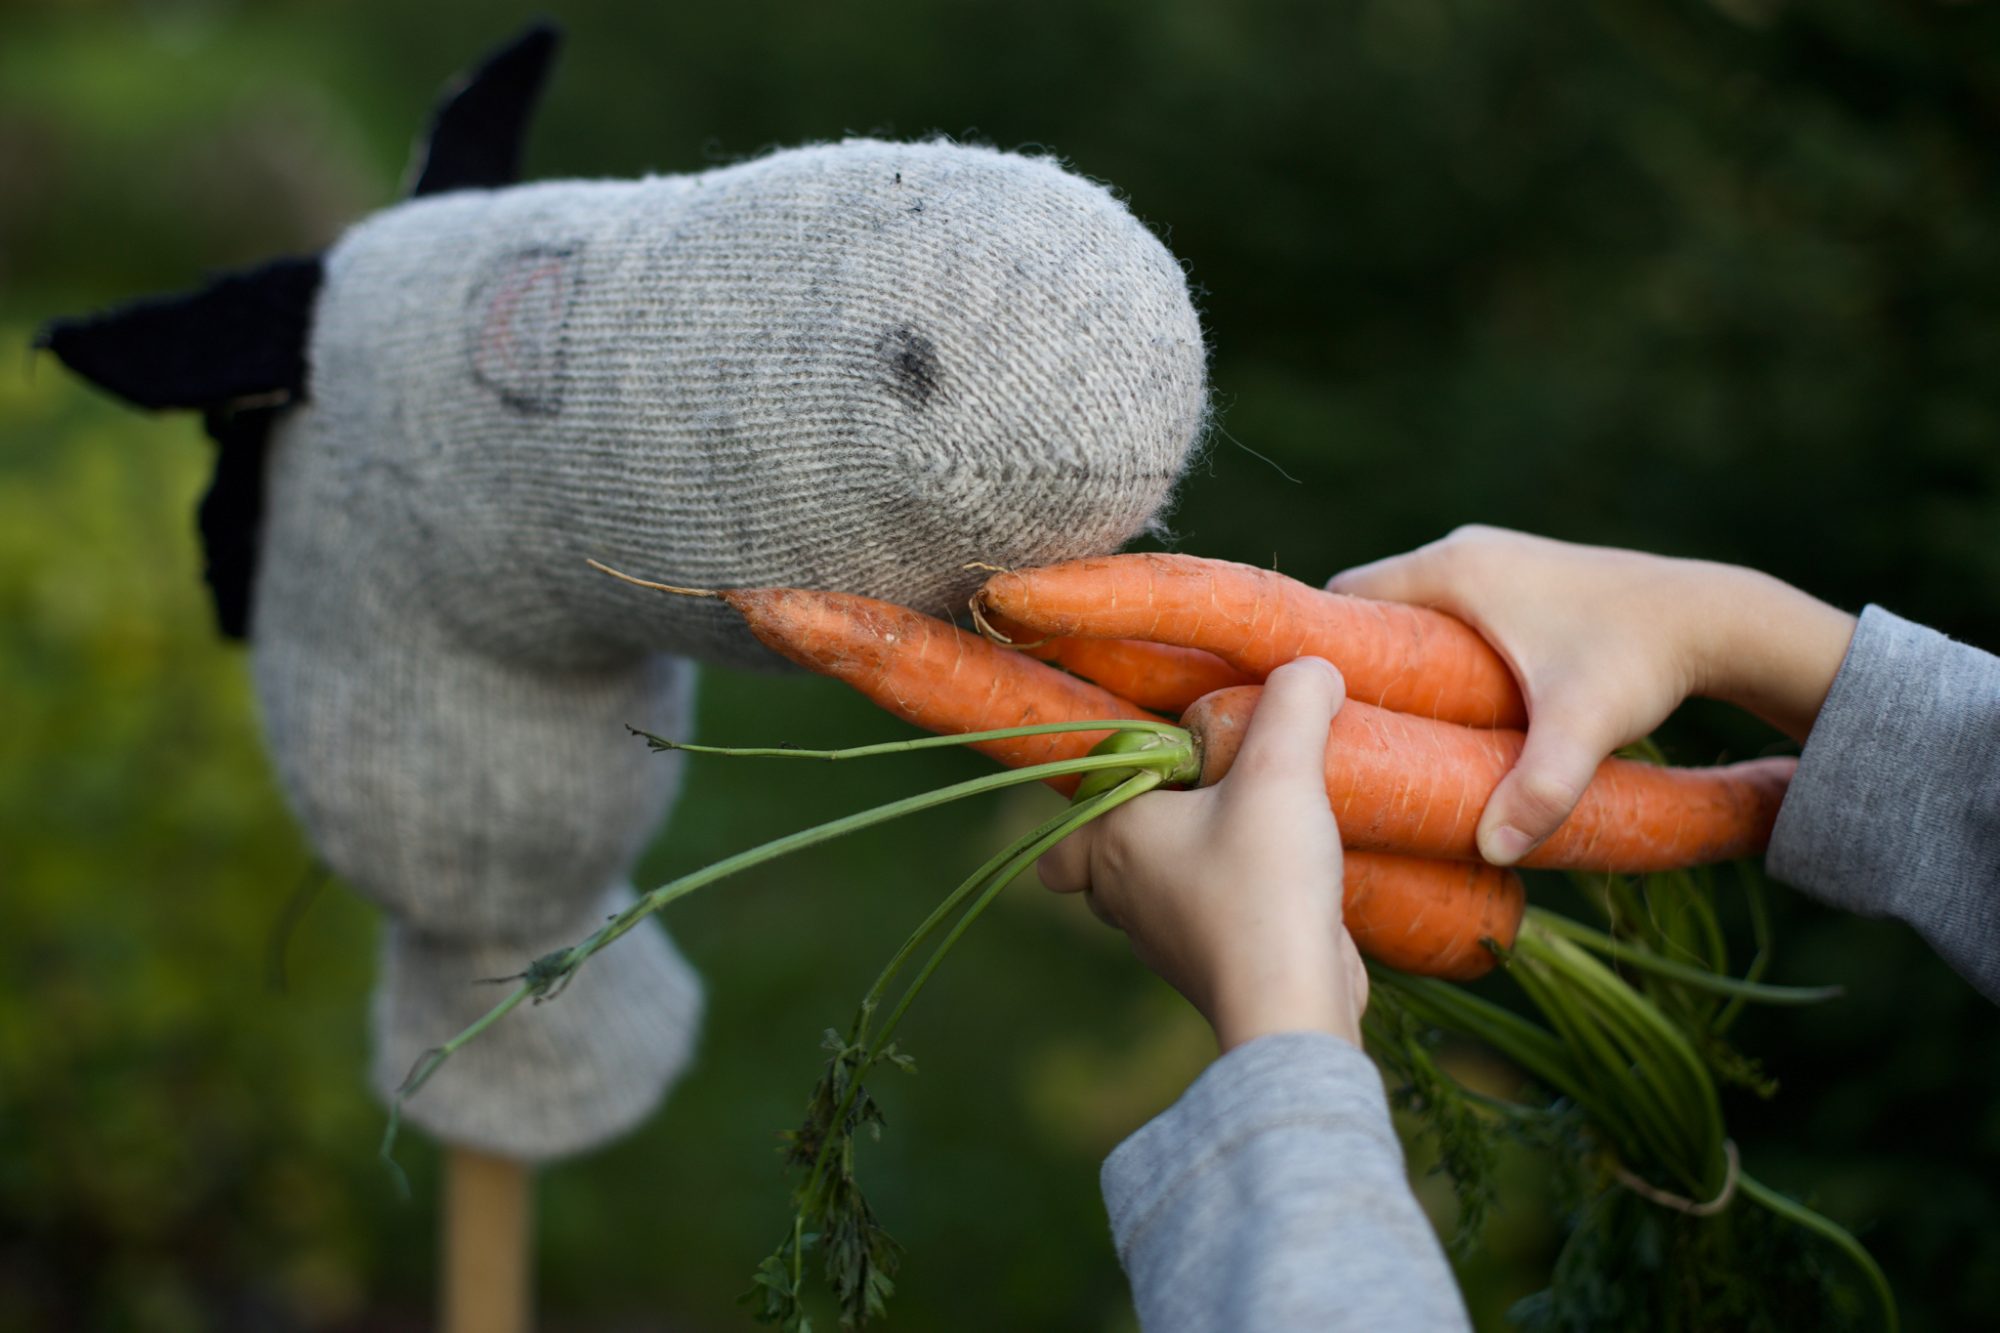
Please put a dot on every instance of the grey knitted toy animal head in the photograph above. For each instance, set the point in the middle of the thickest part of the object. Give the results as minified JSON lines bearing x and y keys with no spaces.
{"x":855,"y":365}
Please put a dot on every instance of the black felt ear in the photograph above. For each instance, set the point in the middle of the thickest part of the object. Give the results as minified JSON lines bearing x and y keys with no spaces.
{"x":476,"y":133}
{"x":231,"y":516}
{"x":235,"y":349}
{"x":242,"y":336}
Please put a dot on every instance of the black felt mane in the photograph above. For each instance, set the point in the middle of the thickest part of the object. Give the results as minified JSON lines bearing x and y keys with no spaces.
{"x":235,"y":350}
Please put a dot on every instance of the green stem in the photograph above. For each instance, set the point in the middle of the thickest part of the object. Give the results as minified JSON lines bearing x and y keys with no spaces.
{"x":1167,"y":729}
{"x":1640,"y":1025}
{"x":951,"y":903}
{"x":835,"y":828}
{"x":1675,"y":908}
{"x":798,"y":1255}
{"x":1760,"y":934}
{"x":427,"y":1064}
{"x":1604,"y":1085}
{"x":1636,"y":1098}
{"x":547,"y":975}
{"x":1598,"y":942}
{"x":1025,"y":853}
{"x":1443,"y":1005}
{"x":1137,"y":785}
{"x":1840,"y":1237}
{"x":1718,"y":947}
{"x":1622,"y":909}
{"x":1690,"y":1116}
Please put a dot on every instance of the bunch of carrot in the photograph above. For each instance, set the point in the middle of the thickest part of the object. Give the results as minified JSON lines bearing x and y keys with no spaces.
{"x":1430,"y":727}
{"x":1410,"y":760}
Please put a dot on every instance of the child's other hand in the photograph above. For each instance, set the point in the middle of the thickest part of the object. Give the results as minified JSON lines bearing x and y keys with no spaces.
{"x":1233,"y":893}
{"x":1605,"y":644}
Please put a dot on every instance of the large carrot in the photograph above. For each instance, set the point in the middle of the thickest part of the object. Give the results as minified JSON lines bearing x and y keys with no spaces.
{"x":1413,"y":785}
{"x":1408,"y":658}
{"x":1163,"y":677}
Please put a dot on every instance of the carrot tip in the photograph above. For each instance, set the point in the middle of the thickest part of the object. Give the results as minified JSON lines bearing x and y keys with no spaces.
{"x":647,"y":583}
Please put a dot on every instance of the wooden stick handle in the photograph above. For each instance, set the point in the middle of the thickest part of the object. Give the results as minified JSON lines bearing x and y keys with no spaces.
{"x":488,"y":1233}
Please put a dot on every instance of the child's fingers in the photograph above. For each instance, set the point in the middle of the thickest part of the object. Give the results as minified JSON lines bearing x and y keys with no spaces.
{"x":1560,"y":756}
{"x":1431,"y":575}
{"x":1398,"y":578}
{"x":1065,"y":867}
{"x":1286,"y":739}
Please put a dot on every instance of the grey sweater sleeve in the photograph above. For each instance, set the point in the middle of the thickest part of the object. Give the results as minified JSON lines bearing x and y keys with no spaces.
{"x":1895,"y":810}
{"x":1272,"y":1196}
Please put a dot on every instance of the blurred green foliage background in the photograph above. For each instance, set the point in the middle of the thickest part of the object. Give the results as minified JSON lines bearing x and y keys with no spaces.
{"x":1716,"y":279}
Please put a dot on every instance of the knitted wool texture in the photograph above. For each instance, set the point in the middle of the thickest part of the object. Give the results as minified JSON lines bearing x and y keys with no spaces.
{"x":854,"y":366}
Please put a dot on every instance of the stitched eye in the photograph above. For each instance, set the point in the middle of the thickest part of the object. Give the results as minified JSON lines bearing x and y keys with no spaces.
{"x":912,"y":368}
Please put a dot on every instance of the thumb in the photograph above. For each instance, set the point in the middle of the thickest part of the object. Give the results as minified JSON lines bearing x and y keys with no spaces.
{"x":1398,"y":578}
{"x":1539,"y":792}
{"x":1286,"y":738}
{"x":1065,"y":867}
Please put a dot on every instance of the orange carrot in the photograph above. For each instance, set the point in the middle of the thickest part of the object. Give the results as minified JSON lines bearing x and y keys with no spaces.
{"x":1408,"y":658}
{"x":1161,"y":676}
{"x":1416,"y":786}
{"x":1431,"y":918}
{"x":928,"y":672}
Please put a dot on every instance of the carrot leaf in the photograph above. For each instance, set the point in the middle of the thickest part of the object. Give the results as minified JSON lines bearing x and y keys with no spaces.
{"x":1465,"y":1141}
{"x":1666,"y":1232}
{"x":857,"y":1256}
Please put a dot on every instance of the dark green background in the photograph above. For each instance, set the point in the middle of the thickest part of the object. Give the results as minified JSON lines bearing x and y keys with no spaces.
{"x":1714,"y":279}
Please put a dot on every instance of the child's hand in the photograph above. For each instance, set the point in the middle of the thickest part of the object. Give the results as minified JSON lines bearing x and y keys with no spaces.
{"x":1605,"y":644}
{"x":1233,"y":893}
